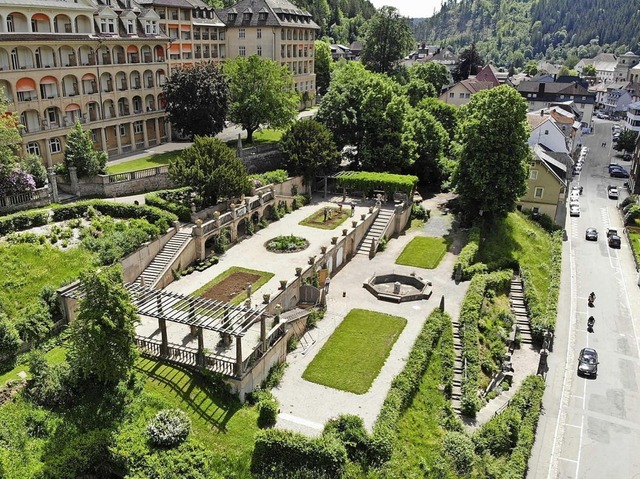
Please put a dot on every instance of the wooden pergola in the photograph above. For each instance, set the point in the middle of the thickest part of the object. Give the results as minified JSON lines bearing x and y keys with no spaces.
{"x":200,"y":314}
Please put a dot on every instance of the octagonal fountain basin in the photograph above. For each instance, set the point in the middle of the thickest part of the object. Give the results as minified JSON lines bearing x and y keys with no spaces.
{"x":398,"y":287}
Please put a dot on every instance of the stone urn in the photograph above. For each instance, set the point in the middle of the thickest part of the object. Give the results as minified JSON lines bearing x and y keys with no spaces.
{"x":298,"y":271}
{"x":265,"y":298}
{"x":370,"y":209}
{"x":283,"y":284}
{"x":354,"y":224}
{"x":334,"y":240}
{"x":344,"y":232}
{"x":323,"y":249}
{"x":363,"y":216}
{"x":312,"y":259}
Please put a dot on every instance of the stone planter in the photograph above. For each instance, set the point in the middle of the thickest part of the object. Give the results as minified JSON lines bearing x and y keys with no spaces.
{"x":298,"y":271}
{"x":312,"y":259}
{"x":265,"y":298}
{"x":344,"y":232}
{"x":354,"y":224}
{"x":370,"y":209}
{"x":323,"y":249}
{"x":283,"y":284}
{"x":362,"y":217}
{"x":334,"y":240}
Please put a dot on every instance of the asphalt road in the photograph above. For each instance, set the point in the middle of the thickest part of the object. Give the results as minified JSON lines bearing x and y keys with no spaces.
{"x":590,"y":428}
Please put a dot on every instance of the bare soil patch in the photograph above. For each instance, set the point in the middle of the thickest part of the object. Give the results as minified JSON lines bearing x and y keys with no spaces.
{"x":230,"y":287}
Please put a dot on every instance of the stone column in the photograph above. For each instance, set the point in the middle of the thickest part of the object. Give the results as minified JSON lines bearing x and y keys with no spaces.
{"x":238,"y":369}
{"x":47,"y":155}
{"x":145,"y":134}
{"x":118,"y":140}
{"x":157,"y":125}
{"x":103,"y":138}
{"x":198,"y":233}
{"x":167,"y":127}
{"x":73,"y":177}
{"x":263,"y":332}
{"x":239,"y":147}
{"x":132,"y":135}
{"x":53,"y":184}
{"x":200,"y":358}
{"x":164,"y":347}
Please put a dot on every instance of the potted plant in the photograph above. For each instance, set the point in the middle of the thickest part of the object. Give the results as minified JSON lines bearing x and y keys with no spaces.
{"x":298,"y":271}
{"x":265,"y":298}
{"x":283,"y":284}
{"x":334,"y":240}
{"x":344,"y":232}
{"x":323,"y":249}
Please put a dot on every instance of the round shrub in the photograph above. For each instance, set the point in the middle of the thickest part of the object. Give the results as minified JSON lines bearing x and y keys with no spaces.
{"x":459,"y":449}
{"x":286,"y":244}
{"x":267,"y":413}
{"x":169,"y":428}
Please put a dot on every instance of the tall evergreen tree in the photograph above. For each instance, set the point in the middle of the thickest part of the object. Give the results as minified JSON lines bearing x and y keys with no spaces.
{"x":79,"y":152}
{"x":469,"y":63}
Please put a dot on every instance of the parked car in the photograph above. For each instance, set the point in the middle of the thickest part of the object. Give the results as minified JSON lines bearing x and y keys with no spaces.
{"x":613,"y":239}
{"x":574,"y":210}
{"x":627,"y":157}
{"x":574,"y":196}
{"x":612,"y":192}
{"x":613,"y":165}
{"x":618,"y":173}
{"x":588,"y":362}
{"x":591,"y":234}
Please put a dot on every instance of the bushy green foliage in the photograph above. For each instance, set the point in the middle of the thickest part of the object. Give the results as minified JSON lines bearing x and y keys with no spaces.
{"x":468,"y":254}
{"x":308,"y":150}
{"x":35,"y":322}
{"x":22,"y":221}
{"x":350,"y":430}
{"x":267,"y":412}
{"x":176,"y":201}
{"x":9,"y":339}
{"x":287,"y":243}
{"x":367,"y":181}
{"x":281,"y":454}
{"x":162,"y":219}
{"x":32,"y":164}
{"x":458,"y":448}
{"x":52,"y":386}
{"x":387,"y":40}
{"x":269,"y":177}
{"x":169,"y":428}
{"x":406,"y":383}
{"x":79,"y":152}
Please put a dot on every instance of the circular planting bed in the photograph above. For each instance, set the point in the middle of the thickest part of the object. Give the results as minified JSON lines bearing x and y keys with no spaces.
{"x":286,"y":244}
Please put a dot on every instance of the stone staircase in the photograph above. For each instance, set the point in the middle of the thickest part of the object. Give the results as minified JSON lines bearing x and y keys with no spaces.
{"x":456,"y":391}
{"x":519,"y":309}
{"x":375,"y":231}
{"x":164,"y":258}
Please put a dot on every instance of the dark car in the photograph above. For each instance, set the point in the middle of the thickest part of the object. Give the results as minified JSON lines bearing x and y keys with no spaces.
{"x":591,"y":234}
{"x":588,"y":362}
{"x":618,"y":173}
{"x":614,"y":241}
{"x":627,"y":157}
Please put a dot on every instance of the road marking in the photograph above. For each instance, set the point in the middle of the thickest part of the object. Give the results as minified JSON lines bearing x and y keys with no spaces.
{"x":581,"y":434}
{"x":567,"y":459}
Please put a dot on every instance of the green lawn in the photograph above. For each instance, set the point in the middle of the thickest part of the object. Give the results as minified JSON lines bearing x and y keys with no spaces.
{"x":419,"y":437}
{"x":264,"y":277}
{"x":423,"y":252}
{"x":151,"y":161}
{"x":517,"y":238}
{"x":27,"y":268}
{"x":316,"y":220}
{"x":356,"y":351}
{"x":634,"y":235}
{"x":54,"y":356}
{"x":218,"y":420}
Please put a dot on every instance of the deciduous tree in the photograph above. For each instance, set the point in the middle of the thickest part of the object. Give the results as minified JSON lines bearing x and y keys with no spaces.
{"x":589,"y":71}
{"x":211,"y":168}
{"x":102,"y":341}
{"x":627,"y":141}
{"x":323,"y":63}
{"x":387,"y":40}
{"x":79,"y":152}
{"x":445,"y":113}
{"x":431,"y":72}
{"x":493,"y":158}
{"x":197,"y":99}
{"x":417,"y":90}
{"x":469,"y":63}
{"x":425,"y":140}
{"x":261,"y":93}
{"x":308,"y":149}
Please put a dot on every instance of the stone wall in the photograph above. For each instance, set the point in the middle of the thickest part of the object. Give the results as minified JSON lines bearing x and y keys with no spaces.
{"x":37,"y":199}
{"x":262,"y":158}
{"x":186,"y":256}
{"x":134,"y":264}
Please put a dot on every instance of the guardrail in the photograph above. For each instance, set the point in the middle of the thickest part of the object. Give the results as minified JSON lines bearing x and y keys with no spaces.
{"x":138,"y":174}
{"x":260,"y":350}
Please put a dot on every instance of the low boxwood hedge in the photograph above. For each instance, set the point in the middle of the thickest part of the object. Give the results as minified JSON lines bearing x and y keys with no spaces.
{"x":23,"y":220}
{"x":167,"y":200}
{"x":286,"y":454}
{"x":467,"y":256}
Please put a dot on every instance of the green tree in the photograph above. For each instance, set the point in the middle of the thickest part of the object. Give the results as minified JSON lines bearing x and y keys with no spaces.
{"x":322,"y":63}
{"x":262,"y":93}
{"x":531,"y":68}
{"x":211,"y":168}
{"x":9,"y":134}
{"x":102,"y":341}
{"x":431,"y":72}
{"x":493,"y":159}
{"x":9,"y":340}
{"x":341,"y":108}
{"x":417,"y":90}
{"x":627,"y":141}
{"x":387,"y":40}
{"x":308,"y":149}
{"x":425,"y":139}
{"x":197,"y":99}
{"x":469,"y":63}
{"x":32,"y":164}
{"x":445,"y":113}
{"x":566,"y":71}
{"x":79,"y":152}
{"x":589,"y":71}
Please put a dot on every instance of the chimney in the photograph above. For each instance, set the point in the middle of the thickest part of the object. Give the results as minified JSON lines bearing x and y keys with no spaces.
{"x":541,"y":88}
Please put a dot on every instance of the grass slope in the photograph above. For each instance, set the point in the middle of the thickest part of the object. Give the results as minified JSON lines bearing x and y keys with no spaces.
{"x":54,"y":356}
{"x":160,"y":159}
{"x":423,"y":252}
{"x":516,"y":238}
{"x":356,"y":351}
{"x":27,"y":268}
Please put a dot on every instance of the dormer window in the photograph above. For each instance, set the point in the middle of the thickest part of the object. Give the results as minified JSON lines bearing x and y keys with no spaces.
{"x":151,"y":27}
{"x":107,"y":25}
{"x":246,"y":17}
{"x":231,"y":17}
{"x":262,"y":16}
{"x":130,"y":27}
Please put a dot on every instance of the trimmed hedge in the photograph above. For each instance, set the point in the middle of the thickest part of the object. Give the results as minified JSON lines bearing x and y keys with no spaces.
{"x":466,"y":258}
{"x":470,"y":337}
{"x":543,"y":311}
{"x":511,"y":433}
{"x":367,"y":181}
{"x":166,"y":200}
{"x":153,"y":215}
{"x":285,"y":454}
{"x":405,"y":385}
{"x":23,"y":221}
